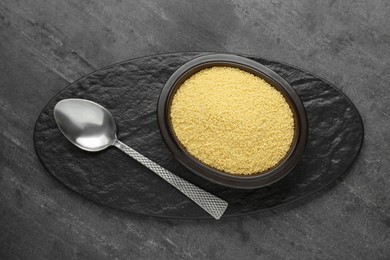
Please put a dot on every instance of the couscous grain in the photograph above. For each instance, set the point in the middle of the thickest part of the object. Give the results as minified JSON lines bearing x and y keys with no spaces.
{"x":232,"y":120}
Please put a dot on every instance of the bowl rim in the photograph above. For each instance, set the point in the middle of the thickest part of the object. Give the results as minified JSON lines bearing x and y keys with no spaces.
{"x":234,"y":181}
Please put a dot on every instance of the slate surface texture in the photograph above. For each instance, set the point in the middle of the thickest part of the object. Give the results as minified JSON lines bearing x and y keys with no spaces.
{"x":46,"y":45}
{"x":130,"y":90}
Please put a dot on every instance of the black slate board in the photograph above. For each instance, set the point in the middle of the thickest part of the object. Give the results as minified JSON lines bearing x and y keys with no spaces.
{"x":130,"y":91}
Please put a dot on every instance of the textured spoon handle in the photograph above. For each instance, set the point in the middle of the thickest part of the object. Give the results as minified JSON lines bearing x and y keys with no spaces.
{"x":210,"y":203}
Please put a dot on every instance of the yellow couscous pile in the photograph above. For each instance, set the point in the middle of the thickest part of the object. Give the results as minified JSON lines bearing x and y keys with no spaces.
{"x":231,"y":120}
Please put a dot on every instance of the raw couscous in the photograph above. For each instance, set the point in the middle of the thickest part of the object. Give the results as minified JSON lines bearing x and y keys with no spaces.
{"x":232,"y":120}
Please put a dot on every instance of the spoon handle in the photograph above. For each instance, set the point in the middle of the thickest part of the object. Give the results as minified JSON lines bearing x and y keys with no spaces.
{"x":210,"y":203}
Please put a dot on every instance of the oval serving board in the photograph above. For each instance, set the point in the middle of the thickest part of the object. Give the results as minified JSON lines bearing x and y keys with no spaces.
{"x":130,"y":90}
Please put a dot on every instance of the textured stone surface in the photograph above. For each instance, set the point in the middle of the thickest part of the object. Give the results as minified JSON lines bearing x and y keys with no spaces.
{"x":130,"y":90}
{"x":46,"y":45}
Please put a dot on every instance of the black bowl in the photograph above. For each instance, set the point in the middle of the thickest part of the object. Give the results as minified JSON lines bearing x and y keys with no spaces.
{"x":235,"y":181}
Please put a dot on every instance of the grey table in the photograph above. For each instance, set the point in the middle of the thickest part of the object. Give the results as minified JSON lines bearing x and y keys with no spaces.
{"x":45,"y":45}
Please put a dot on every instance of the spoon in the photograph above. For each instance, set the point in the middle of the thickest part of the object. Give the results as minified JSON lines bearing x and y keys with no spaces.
{"x":91,"y":127}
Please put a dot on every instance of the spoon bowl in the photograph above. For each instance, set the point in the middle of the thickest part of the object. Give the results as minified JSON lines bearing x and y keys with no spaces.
{"x":86,"y":124}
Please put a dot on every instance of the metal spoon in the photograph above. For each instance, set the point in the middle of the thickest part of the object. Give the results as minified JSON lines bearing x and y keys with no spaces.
{"x":91,"y":127}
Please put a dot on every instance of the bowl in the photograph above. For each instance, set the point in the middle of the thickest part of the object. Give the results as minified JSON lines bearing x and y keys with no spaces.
{"x":252,"y":181}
